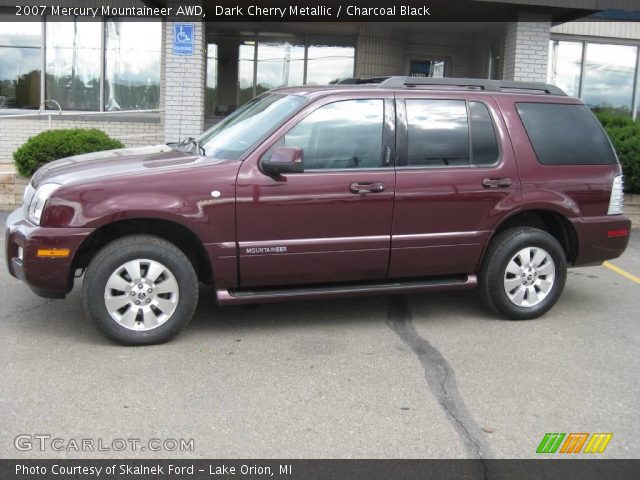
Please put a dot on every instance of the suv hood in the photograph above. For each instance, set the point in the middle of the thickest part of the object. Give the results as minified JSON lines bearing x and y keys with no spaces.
{"x":111,"y":163}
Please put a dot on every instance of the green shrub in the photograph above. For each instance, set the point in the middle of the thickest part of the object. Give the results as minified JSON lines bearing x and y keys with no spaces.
{"x":625,"y":136}
{"x":55,"y":144}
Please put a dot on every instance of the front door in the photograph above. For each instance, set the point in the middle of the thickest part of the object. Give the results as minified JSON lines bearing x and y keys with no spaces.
{"x":332,"y":222}
{"x":456,"y":178}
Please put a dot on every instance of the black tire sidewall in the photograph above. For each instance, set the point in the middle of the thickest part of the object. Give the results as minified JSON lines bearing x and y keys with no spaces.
{"x":512,"y":242}
{"x":131,"y":248}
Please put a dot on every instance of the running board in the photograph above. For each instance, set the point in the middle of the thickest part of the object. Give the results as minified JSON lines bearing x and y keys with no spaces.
{"x":240,"y":296}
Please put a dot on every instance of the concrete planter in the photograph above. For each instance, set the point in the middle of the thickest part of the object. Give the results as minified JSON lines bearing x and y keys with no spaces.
{"x":12,"y":188}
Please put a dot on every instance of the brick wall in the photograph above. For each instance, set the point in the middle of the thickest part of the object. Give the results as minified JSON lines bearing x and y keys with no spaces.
{"x":379,"y":52}
{"x":457,"y":49}
{"x":382,"y":50}
{"x":16,"y":131}
{"x":526,"y":47}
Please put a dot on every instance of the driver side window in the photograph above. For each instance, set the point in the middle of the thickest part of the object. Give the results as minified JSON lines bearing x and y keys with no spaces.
{"x":340,"y":135}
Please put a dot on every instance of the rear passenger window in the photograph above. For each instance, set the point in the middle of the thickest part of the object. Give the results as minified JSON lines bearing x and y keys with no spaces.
{"x":441,"y":133}
{"x":484,"y":144}
{"x":438,"y":133}
{"x":563,"y":134}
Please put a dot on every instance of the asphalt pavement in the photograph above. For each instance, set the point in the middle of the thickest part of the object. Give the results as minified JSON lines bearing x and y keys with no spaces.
{"x":416,"y":376}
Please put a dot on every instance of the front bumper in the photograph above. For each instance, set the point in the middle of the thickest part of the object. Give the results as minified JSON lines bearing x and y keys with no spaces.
{"x":47,"y":277}
{"x":595,"y":245}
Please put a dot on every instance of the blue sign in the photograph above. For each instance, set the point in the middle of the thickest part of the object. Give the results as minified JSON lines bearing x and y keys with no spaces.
{"x":183,"y":40}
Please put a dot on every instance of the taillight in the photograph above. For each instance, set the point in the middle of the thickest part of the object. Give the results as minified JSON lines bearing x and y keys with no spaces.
{"x":616,"y":202}
{"x":622,"y":232}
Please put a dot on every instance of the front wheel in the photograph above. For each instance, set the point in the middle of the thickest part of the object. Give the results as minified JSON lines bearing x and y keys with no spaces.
{"x":523,"y":273}
{"x":140,"y":290}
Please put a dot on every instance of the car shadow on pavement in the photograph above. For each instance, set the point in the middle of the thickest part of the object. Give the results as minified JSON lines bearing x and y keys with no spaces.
{"x":66,"y":318}
{"x":330,"y":312}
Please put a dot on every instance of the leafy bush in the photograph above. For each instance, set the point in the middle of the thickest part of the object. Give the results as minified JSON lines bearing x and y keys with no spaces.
{"x":55,"y":144}
{"x":625,"y":136}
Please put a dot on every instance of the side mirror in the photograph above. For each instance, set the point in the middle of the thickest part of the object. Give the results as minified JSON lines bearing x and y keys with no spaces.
{"x":284,"y":160}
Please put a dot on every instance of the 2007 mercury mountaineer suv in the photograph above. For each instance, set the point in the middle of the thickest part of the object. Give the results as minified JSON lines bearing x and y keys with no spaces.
{"x":410,"y":185}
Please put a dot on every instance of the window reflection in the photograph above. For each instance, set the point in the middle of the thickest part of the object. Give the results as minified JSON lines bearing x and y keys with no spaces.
{"x":609,"y":76}
{"x":345,"y":134}
{"x":565,"y":59}
{"x":427,"y":68}
{"x":73,"y":64}
{"x":484,"y":144}
{"x":212,"y":79}
{"x":329,"y":63}
{"x":637,"y":100}
{"x":438,"y":133}
{"x":132,"y":65}
{"x":279,"y":65}
{"x":20,"y":64}
{"x":267,"y":60}
{"x":245,"y":72}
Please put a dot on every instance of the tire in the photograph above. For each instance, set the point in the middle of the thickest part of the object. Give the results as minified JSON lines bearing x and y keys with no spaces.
{"x":153,"y":310}
{"x":523,"y":292}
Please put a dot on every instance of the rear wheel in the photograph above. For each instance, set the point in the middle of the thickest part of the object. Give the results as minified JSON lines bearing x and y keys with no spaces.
{"x":523,"y":273}
{"x":140,"y":290}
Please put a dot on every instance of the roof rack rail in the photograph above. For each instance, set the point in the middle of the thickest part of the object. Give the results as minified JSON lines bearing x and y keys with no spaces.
{"x":362,"y":81}
{"x":476,"y":83}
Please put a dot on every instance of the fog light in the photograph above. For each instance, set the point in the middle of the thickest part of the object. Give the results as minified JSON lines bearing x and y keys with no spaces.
{"x":20,"y":253}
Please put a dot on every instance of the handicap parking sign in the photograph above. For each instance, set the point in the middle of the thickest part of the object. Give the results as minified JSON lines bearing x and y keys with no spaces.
{"x":183,"y":40}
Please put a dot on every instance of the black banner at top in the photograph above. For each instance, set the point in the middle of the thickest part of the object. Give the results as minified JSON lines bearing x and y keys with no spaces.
{"x":279,"y":10}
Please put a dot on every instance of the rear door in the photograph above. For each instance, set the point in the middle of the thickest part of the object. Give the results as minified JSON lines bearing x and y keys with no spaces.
{"x":456,"y":177}
{"x":332,"y":222}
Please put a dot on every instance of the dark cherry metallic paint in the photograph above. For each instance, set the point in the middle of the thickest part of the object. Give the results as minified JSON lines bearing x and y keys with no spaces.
{"x":420,"y":223}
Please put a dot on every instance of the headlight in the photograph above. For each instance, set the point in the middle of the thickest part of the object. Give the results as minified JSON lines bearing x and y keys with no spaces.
{"x":39,"y":200}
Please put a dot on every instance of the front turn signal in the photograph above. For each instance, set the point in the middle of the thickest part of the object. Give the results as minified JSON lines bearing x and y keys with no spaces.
{"x":53,"y":252}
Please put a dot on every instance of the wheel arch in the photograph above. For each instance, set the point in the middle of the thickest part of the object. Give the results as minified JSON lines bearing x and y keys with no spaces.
{"x":176,"y":233}
{"x":550,"y":220}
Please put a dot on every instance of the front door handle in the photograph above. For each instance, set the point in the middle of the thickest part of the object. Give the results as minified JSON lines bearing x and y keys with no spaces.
{"x":496,"y":182}
{"x":366,"y":187}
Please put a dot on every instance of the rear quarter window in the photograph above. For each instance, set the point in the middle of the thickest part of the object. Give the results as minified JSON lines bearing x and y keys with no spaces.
{"x":563,"y":134}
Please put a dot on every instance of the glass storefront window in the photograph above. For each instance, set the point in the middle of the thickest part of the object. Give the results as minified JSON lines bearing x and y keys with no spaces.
{"x":637,"y":106}
{"x":245,"y":72}
{"x":131,"y":54}
{"x":280,"y":64}
{"x":73,"y":64}
{"x":211,"y":101}
{"x":329,"y":60}
{"x":20,"y":64}
{"x":132,"y":65}
{"x":248,"y":64}
{"x":565,"y":60}
{"x":609,"y":76}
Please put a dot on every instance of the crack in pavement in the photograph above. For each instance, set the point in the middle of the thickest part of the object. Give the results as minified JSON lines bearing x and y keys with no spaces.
{"x":440,"y":378}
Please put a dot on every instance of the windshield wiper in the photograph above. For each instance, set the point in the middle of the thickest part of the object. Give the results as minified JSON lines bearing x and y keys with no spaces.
{"x":193,"y":142}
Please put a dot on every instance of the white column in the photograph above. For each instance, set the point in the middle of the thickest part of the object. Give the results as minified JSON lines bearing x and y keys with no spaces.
{"x":526,"y":49}
{"x":183,"y":85}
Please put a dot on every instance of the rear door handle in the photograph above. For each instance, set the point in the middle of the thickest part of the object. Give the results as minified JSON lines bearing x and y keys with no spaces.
{"x":496,"y":182}
{"x":366,"y":187}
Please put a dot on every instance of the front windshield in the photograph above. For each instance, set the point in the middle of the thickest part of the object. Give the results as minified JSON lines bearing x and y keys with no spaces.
{"x":233,"y":136}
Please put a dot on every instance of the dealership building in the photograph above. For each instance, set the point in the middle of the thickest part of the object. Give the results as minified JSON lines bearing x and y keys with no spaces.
{"x":132,"y":80}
